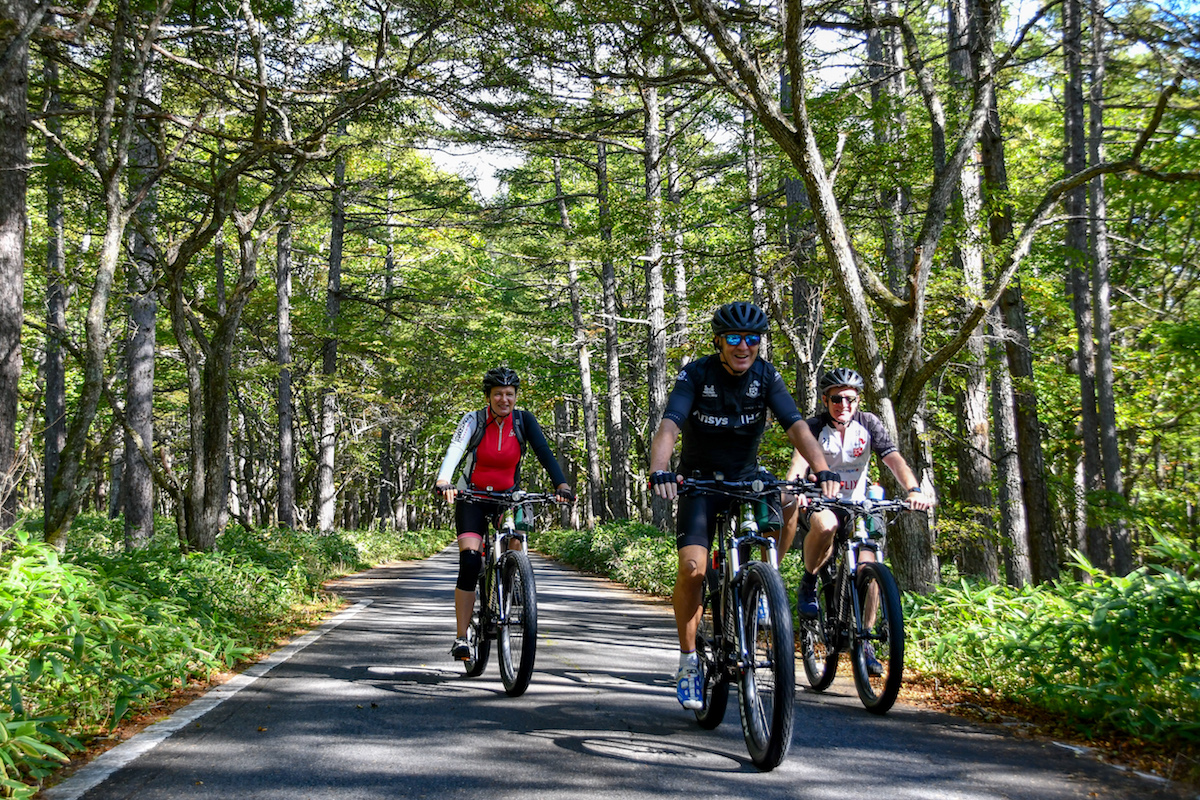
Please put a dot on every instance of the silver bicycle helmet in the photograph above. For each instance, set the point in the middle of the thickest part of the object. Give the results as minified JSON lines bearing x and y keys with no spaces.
{"x":841,"y":377}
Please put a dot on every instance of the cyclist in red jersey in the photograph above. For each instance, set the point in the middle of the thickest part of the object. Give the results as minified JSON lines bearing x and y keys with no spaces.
{"x":493,"y":440}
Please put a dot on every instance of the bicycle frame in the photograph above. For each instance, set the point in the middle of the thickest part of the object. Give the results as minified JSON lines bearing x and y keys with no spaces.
{"x":746,"y":629}
{"x":506,"y":604}
{"x":861,"y":610}
{"x":741,"y":535}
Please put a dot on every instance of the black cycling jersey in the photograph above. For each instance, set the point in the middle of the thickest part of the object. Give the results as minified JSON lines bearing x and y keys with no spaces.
{"x":722,"y":417}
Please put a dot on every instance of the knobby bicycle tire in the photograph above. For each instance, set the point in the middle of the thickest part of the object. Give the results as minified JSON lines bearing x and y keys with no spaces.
{"x":886,"y":635}
{"x":818,"y":638}
{"x":715,"y":687}
{"x":517,"y":636}
{"x":768,"y":684}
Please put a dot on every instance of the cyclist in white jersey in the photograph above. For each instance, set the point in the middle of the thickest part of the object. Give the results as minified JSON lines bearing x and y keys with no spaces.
{"x":847,"y":437}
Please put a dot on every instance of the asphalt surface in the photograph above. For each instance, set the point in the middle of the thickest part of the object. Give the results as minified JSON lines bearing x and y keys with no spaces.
{"x":371,"y":706}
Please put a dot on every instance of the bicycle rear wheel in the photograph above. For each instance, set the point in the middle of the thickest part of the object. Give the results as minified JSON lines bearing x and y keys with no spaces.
{"x":878,"y":679}
{"x":768,"y":684}
{"x":477,"y":633}
{"x":715,"y":689}
{"x":818,"y":645}
{"x":518,"y":629}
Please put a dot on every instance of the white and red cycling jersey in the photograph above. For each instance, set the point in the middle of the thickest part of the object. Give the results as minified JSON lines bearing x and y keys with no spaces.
{"x":849,"y":454}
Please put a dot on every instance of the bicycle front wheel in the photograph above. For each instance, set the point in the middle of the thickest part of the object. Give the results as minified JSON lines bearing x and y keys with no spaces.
{"x":518,"y":623}
{"x":877,"y":652}
{"x":715,"y":689}
{"x":477,"y":633}
{"x":818,"y":639}
{"x":768,"y":683}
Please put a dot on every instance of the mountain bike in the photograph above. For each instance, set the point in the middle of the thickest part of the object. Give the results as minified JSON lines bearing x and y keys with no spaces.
{"x":505,"y":608}
{"x":860,"y":610}
{"x":745,"y":633}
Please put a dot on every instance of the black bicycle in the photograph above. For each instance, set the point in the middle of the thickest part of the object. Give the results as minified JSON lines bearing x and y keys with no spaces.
{"x":745,"y":634}
{"x":860,"y":610}
{"x":505,"y":596}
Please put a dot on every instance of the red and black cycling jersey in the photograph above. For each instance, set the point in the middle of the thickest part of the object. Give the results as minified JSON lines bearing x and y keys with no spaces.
{"x":722,"y":417}
{"x":495,"y":461}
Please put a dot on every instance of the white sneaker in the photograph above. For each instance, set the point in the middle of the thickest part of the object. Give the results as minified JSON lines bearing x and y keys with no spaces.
{"x":689,"y":688}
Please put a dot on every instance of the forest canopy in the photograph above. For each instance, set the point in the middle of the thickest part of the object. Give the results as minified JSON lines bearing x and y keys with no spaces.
{"x":237,"y":288}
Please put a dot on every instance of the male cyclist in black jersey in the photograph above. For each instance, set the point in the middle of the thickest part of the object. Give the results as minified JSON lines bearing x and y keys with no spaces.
{"x":719,"y":407}
{"x":847,"y":437}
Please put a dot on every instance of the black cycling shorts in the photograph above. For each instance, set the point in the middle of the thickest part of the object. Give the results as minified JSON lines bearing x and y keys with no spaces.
{"x":696,"y":516}
{"x":475,"y":516}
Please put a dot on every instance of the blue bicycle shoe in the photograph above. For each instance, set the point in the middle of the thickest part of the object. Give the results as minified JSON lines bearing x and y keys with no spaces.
{"x":806,"y":601}
{"x":688,"y":687}
{"x":874,"y":667}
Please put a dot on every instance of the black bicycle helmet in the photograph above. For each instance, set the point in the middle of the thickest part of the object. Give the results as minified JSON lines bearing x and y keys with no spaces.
{"x":740,"y":316}
{"x":841,"y":377}
{"x":500,"y":376}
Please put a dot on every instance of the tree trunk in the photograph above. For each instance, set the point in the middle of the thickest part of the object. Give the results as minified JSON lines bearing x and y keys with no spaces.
{"x":1078,"y":284}
{"x":286,"y":499}
{"x":14,"y":171}
{"x":758,"y":222}
{"x":616,"y":432}
{"x":327,"y":449}
{"x":803,"y":328}
{"x":978,"y":555}
{"x":138,"y":485}
{"x":110,"y":151}
{"x":56,"y":284}
{"x":887,"y":89}
{"x":656,"y":338}
{"x":678,"y":263}
{"x":1110,"y":449}
{"x":1043,"y":550}
{"x":591,"y":428}
{"x":1014,"y":532}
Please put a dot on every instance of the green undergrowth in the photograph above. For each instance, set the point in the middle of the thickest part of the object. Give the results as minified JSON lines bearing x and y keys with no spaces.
{"x":98,"y":634}
{"x":1113,"y":656}
{"x":1116,"y":655}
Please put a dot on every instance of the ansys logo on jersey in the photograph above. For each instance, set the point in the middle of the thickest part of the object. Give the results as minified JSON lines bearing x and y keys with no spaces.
{"x":753,"y":390}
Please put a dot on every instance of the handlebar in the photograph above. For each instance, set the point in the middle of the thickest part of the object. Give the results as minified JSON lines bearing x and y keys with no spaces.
{"x":509,"y":498}
{"x":864,"y":507}
{"x":750,"y":489}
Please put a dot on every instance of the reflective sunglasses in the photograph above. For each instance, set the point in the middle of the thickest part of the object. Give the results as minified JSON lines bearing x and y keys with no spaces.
{"x":848,"y":399}
{"x":734,"y":339}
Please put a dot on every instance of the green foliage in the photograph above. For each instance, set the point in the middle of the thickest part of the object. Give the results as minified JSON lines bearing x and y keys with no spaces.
{"x":1118,"y":654}
{"x":87,"y":640}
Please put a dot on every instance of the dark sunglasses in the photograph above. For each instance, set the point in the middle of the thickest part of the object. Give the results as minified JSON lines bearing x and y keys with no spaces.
{"x":848,"y":399}
{"x":734,"y":339}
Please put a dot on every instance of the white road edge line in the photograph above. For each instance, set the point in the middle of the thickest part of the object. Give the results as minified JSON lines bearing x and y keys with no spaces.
{"x":112,"y":760}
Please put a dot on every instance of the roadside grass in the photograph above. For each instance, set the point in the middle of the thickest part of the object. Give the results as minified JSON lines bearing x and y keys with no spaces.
{"x":1114,"y":662}
{"x":99,"y":636}
{"x":90,"y":638}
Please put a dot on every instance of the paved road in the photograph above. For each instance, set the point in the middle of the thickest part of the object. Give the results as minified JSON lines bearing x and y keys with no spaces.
{"x":371,"y":707}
